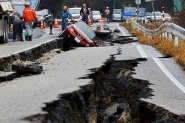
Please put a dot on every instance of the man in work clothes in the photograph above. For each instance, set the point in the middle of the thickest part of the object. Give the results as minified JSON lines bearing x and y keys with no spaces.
{"x":84,"y":12}
{"x":107,"y":12}
{"x":65,"y":15}
{"x":29,"y":16}
{"x":17,"y":25}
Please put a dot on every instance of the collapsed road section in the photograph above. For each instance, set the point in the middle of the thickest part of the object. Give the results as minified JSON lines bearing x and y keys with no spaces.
{"x":90,"y":85}
{"x":112,"y":97}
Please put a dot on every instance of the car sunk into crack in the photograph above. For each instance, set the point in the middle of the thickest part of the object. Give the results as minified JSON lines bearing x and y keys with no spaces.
{"x":78,"y":34}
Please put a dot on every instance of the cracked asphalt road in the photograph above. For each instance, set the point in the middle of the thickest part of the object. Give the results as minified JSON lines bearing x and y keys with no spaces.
{"x":26,"y":96}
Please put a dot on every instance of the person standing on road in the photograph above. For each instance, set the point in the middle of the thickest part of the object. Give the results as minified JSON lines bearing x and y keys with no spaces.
{"x":65,"y":15}
{"x":29,"y":16}
{"x":107,"y":12}
{"x":16,"y":24}
{"x":84,"y":12}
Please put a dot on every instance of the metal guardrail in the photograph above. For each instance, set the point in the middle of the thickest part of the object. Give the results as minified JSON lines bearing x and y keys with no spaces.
{"x":167,"y":29}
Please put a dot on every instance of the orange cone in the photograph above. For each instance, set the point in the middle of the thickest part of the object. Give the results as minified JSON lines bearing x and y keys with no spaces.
{"x":41,"y":25}
{"x":89,"y":22}
{"x":56,"y":23}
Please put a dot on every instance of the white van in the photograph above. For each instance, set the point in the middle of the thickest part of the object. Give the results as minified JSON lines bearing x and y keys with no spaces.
{"x":158,"y":15}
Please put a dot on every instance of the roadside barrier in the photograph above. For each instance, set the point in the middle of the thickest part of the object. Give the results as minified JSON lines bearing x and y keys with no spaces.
{"x":41,"y":25}
{"x":56,"y":23}
{"x":167,"y":29}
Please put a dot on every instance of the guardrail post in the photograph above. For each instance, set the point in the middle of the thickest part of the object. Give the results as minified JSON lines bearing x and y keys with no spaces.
{"x":165,"y":34}
{"x":176,"y":41}
{"x":170,"y":36}
{"x":162,"y":34}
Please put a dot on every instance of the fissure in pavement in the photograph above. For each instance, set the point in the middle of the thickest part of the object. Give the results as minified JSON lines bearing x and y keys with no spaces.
{"x":112,"y":97}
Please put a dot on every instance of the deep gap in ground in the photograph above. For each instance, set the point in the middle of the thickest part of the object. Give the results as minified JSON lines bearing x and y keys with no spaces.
{"x":112,"y":97}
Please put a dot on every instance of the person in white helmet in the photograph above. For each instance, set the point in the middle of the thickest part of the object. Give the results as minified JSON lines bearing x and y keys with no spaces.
{"x":107,"y":12}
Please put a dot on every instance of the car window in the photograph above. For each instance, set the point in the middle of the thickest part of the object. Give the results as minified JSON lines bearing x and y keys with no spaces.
{"x":74,"y":11}
{"x":166,"y":15}
{"x":141,"y":10}
{"x":85,"y":29}
{"x":49,"y":12}
{"x":96,"y":13}
{"x":39,"y":13}
{"x":130,"y":10}
{"x":117,"y":11}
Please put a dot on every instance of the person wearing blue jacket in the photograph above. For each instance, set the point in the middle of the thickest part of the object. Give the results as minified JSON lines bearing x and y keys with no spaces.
{"x":65,"y":15}
{"x":16,"y":21}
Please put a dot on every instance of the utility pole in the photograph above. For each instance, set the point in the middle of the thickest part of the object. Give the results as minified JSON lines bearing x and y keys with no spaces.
{"x":114,"y":4}
{"x":154,"y":13}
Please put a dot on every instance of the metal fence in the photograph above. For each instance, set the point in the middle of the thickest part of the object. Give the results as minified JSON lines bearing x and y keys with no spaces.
{"x":170,"y":30}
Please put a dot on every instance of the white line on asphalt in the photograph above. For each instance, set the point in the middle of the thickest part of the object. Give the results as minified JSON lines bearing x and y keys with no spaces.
{"x":163,"y":68}
{"x":121,"y":30}
{"x":170,"y":76}
{"x":134,"y":44}
{"x":141,"y":51}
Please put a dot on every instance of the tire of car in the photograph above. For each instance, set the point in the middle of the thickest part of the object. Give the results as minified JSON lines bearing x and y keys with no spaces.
{"x":4,"y":37}
{"x":65,"y":44}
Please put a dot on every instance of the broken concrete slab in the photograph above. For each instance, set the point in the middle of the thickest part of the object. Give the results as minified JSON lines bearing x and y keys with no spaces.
{"x":27,"y":67}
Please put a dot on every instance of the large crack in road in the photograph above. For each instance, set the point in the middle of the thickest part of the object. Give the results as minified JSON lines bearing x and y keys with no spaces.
{"x":112,"y":97}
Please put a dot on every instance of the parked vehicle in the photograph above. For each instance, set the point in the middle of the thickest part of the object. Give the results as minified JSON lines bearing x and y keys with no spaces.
{"x":116,"y":15}
{"x":149,"y":16}
{"x":75,"y":12}
{"x":96,"y":16}
{"x":157,"y":15}
{"x":167,"y":17}
{"x":130,"y":12}
{"x":5,"y":10}
{"x":141,"y":14}
{"x":44,"y":15}
{"x":78,"y":34}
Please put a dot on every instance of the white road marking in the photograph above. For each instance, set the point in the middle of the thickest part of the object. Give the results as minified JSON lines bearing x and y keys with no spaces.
{"x":121,"y":30}
{"x":161,"y":66}
{"x":170,"y":76}
{"x":141,"y":51}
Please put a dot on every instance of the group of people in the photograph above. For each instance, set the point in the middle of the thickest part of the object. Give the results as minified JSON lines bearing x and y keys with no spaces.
{"x":29,"y":16}
{"x":65,"y":15}
{"x":84,"y":12}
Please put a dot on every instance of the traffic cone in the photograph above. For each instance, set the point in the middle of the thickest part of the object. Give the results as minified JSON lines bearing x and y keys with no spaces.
{"x":89,"y":22}
{"x":41,"y":25}
{"x":56,"y":23}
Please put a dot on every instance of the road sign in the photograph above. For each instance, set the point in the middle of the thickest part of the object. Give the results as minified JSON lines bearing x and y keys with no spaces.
{"x":138,"y":2}
{"x":19,"y":4}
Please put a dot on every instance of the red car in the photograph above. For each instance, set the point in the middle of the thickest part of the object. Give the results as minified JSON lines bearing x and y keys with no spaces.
{"x":78,"y":34}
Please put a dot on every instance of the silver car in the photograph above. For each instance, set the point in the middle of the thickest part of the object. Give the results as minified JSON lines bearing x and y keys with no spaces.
{"x":116,"y":15}
{"x":96,"y":16}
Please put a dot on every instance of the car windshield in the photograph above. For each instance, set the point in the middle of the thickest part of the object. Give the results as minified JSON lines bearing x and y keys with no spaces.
{"x":117,"y":11}
{"x":130,"y":10}
{"x":39,"y":13}
{"x":96,"y":13}
{"x":141,"y":10}
{"x":156,"y":13}
{"x":166,"y":15}
{"x":74,"y":11}
{"x":85,"y":29}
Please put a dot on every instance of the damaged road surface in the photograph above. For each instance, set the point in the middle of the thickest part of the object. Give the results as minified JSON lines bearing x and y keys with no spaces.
{"x":113,"y":84}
